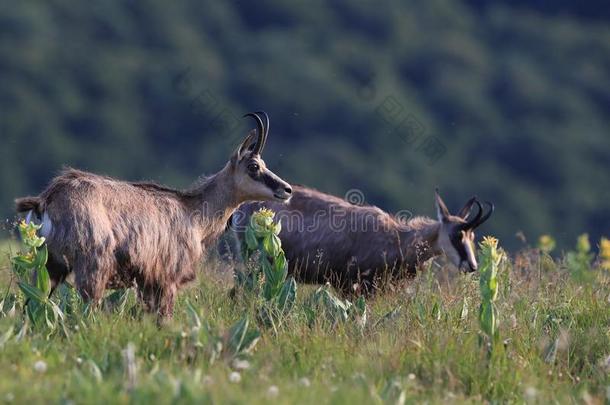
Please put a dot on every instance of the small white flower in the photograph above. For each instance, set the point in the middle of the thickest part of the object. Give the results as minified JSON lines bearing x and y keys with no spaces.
{"x":305,"y":382}
{"x":40,"y":366}
{"x":411,"y":376}
{"x":235,"y":377}
{"x":152,"y":357}
{"x":240,"y":365}
{"x":79,"y":360}
{"x":273,"y":391}
{"x":531,"y":392}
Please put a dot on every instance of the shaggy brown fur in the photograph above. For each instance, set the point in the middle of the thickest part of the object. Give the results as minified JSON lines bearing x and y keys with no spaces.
{"x":113,"y":233}
{"x":327,"y":239}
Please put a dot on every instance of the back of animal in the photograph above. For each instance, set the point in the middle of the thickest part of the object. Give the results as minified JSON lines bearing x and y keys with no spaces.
{"x":327,"y":239}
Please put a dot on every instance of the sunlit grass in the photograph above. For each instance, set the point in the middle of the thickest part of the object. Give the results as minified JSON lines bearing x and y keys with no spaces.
{"x":554,"y":328}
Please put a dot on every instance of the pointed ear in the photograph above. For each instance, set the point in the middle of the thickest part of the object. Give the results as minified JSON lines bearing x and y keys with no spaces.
{"x":465,"y":211}
{"x":246,"y":146}
{"x":441,"y":209}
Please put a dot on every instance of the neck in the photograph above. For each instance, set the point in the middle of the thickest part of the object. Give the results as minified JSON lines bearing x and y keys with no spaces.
{"x":211,"y":201}
{"x":419,"y":240}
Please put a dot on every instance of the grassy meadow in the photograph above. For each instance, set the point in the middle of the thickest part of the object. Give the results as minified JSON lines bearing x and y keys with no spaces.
{"x":420,"y":342}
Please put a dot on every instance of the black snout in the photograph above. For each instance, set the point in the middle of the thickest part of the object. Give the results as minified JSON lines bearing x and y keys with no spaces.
{"x":281,"y":189}
{"x":284,"y":191}
{"x":467,"y":267}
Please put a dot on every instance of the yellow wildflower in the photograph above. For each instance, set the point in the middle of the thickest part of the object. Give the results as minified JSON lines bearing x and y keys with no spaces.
{"x":546,"y":243}
{"x":582,"y":244}
{"x":604,"y":253}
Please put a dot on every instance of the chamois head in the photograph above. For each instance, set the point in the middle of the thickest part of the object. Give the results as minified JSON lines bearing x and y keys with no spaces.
{"x":456,"y":234}
{"x":252,"y":178}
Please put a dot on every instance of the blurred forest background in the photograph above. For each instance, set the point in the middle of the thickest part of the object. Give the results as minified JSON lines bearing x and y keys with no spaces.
{"x":509,"y":100}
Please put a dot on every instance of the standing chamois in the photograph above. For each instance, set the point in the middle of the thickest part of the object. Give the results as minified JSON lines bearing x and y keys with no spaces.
{"x":327,"y":239}
{"x":113,"y":234}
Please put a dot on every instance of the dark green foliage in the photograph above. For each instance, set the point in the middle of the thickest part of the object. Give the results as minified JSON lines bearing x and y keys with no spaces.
{"x":518,"y":97}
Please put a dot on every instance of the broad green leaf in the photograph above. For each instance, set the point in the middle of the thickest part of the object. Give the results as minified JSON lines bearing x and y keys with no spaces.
{"x":41,"y":258}
{"x":24,"y":261}
{"x":251,"y":240}
{"x":280,"y":261}
{"x":43,"y":283}
{"x":36,"y":312}
{"x":32,"y":292}
{"x":250,"y":340}
{"x":288,"y":295}
{"x":276,"y":245}
{"x":237,"y":334}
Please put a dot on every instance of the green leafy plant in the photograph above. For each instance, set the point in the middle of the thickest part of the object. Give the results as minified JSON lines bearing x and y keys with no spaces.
{"x":237,"y":343}
{"x":33,"y":278}
{"x":266,"y":268}
{"x":490,"y":257}
{"x":579,"y":260}
{"x":323,"y":304}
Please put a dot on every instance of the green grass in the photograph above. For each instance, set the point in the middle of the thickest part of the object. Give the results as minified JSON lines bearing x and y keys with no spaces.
{"x":429,"y":352}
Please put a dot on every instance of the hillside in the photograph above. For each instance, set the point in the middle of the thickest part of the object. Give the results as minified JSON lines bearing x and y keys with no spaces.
{"x":514,"y":100}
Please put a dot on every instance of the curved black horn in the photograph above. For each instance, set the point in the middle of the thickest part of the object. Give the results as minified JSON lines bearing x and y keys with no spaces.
{"x":465,"y":211}
{"x":266,"y":122}
{"x":261,"y":133}
{"x":484,"y":217}
{"x":473,"y":222}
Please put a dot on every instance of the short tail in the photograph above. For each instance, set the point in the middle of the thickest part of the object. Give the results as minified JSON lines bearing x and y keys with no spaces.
{"x":26,"y":204}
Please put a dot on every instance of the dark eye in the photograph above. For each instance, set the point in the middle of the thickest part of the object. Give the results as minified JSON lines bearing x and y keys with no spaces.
{"x":253,"y":167}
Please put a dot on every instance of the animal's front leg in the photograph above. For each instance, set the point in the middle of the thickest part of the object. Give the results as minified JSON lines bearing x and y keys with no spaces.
{"x":159,"y":300}
{"x":91,"y":278}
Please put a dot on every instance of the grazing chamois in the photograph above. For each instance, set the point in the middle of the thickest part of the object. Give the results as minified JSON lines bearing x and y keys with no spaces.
{"x":114,"y":234}
{"x":328,"y":239}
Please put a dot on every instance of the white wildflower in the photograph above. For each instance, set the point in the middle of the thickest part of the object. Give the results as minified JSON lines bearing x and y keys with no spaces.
{"x":240,"y":365}
{"x":305,"y":382}
{"x":40,"y":366}
{"x":530,"y":393}
{"x":235,"y":377}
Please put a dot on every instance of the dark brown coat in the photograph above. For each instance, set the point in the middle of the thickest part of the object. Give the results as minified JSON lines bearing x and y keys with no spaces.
{"x":327,"y":239}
